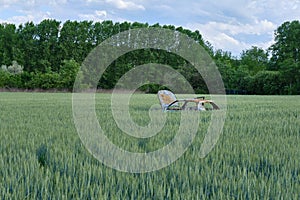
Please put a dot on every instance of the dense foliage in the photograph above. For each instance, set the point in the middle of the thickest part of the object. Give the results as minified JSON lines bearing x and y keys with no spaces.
{"x":42,"y":157}
{"x":48,"y":55}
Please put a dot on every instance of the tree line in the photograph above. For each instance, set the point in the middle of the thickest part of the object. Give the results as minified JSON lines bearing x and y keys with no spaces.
{"x":48,"y":55}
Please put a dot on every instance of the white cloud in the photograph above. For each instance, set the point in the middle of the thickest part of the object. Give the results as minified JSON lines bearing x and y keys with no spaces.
{"x":101,"y":13}
{"x":164,"y":7}
{"x":237,"y":25}
{"x":229,"y":25}
{"x":225,"y":36}
{"x":7,"y":3}
{"x":30,"y":3}
{"x":57,"y":2}
{"x":125,"y":5}
{"x":257,"y":28}
{"x":90,"y":1}
{"x":227,"y":43}
{"x":275,"y":10}
{"x":99,"y":16}
{"x":36,"y":17}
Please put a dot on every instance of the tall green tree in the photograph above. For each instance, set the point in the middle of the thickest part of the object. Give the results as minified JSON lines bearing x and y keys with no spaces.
{"x":67,"y":74}
{"x":8,"y":40}
{"x":287,"y":43}
{"x":77,"y":39}
{"x":254,"y":60}
{"x":286,"y":55}
{"x":47,"y":38}
{"x":28,"y":45}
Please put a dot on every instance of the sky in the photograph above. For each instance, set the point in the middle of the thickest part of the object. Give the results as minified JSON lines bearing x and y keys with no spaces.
{"x":230,"y":25}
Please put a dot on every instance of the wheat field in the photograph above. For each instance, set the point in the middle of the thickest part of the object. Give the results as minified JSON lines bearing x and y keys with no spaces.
{"x":42,"y":157}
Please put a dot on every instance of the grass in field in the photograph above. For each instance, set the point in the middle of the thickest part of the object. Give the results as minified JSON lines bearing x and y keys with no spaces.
{"x":256,"y":157}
